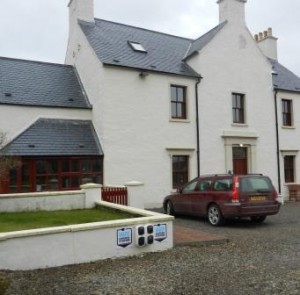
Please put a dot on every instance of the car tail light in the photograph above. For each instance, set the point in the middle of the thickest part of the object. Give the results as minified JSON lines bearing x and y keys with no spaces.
{"x":236,"y":192}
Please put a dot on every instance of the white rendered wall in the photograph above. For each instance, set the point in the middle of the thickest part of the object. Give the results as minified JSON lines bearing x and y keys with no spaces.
{"x":132,"y":117}
{"x":232,"y":62}
{"x":289,"y":136}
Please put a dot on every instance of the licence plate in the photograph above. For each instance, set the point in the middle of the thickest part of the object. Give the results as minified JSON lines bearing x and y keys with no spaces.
{"x":257,"y":198}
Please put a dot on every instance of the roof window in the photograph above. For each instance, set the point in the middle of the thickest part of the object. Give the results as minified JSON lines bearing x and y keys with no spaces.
{"x":137,"y":46}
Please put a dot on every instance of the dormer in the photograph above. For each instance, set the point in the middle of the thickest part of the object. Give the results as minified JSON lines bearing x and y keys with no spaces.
{"x":232,"y":11}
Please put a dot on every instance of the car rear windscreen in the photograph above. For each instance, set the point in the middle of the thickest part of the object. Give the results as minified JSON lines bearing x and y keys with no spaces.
{"x":255,"y":185}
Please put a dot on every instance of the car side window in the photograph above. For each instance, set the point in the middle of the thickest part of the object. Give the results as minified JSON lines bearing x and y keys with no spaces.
{"x":223,"y":184}
{"x":203,"y":185}
{"x":190,"y":187}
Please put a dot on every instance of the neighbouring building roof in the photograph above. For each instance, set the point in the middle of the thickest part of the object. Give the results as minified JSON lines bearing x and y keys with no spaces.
{"x":55,"y":137}
{"x":112,"y":42}
{"x":30,"y":83}
{"x":283,"y":78}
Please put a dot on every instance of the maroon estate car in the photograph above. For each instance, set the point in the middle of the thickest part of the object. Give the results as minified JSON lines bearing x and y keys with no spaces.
{"x":225,"y":196}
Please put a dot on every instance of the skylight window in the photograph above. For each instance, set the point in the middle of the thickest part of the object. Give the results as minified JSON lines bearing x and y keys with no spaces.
{"x":137,"y":46}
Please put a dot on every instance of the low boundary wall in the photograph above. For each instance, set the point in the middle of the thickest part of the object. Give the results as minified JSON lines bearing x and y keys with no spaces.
{"x":58,"y":246}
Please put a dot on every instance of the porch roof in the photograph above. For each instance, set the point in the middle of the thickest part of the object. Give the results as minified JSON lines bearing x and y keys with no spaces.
{"x":56,"y":137}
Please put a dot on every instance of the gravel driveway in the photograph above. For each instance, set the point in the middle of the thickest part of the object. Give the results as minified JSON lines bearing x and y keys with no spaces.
{"x":259,"y":259}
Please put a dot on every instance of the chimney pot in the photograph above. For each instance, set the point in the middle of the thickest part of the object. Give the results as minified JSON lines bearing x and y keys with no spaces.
{"x":270,"y":33}
{"x":256,"y":37}
{"x":260,"y":34}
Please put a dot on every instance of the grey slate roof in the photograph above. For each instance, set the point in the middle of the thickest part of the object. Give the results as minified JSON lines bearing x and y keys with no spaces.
{"x":31,"y":83}
{"x":199,"y":43}
{"x":55,"y":137}
{"x":165,"y":52}
{"x":283,"y":78}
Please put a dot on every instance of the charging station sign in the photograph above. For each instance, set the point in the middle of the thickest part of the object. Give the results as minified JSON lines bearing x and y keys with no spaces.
{"x":124,"y":237}
{"x":160,"y":232}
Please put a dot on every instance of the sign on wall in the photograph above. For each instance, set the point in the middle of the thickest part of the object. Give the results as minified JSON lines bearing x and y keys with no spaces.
{"x":124,"y":237}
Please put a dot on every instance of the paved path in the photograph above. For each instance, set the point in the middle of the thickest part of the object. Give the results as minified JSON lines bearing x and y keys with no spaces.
{"x":186,"y":236}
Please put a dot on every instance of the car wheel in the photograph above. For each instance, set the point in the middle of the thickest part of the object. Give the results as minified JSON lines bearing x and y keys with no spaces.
{"x":214,"y":215}
{"x":169,"y":208}
{"x":258,"y":219}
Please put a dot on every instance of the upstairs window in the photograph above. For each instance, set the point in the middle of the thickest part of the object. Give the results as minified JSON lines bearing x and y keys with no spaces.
{"x":287,"y":112}
{"x":137,"y":46}
{"x":178,"y":102}
{"x":238,"y":108}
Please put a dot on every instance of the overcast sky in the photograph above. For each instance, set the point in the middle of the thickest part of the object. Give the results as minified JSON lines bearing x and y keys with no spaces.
{"x":38,"y":29}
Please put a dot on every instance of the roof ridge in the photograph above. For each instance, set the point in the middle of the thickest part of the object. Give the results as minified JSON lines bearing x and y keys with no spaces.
{"x":35,"y":61}
{"x":144,"y":29}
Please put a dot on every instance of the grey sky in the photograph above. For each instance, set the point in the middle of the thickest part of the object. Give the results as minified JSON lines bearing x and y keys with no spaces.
{"x":38,"y":29}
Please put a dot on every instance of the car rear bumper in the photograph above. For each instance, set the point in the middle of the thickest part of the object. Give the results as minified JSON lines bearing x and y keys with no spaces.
{"x":239,"y":210}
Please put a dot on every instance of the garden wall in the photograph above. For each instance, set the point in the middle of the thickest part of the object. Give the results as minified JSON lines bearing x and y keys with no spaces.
{"x":82,"y":243}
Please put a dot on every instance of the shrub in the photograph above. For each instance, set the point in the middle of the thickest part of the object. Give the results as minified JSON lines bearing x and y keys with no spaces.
{"x":4,"y":285}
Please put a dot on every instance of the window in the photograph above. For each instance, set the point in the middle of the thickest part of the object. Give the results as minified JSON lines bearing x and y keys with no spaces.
{"x":137,"y":46}
{"x":53,"y":174}
{"x":289,"y":172}
{"x":223,"y":184}
{"x":178,"y":102}
{"x":287,"y":112}
{"x":180,"y":170}
{"x":238,"y":108}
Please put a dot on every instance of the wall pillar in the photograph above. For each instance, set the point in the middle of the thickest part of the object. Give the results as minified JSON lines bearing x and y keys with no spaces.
{"x":92,"y":194}
{"x":135,"y":194}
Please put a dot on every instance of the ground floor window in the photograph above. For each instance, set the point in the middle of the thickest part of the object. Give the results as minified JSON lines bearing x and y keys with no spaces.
{"x":53,"y":174}
{"x":180,"y":168}
{"x":289,"y":169}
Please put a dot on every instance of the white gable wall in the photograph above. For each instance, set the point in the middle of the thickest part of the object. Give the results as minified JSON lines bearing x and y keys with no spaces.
{"x":232,"y":62}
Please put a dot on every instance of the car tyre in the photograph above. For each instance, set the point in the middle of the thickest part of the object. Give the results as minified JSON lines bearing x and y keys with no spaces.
{"x":214,"y":215}
{"x":170,"y":209}
{"x":258,"y":219}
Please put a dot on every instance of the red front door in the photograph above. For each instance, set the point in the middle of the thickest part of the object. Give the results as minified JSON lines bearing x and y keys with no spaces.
{"x":240,"y":160}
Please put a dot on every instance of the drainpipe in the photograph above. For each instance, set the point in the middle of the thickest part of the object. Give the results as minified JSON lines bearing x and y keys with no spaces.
{"x":197,"y":125}
{"x":277,"y":141}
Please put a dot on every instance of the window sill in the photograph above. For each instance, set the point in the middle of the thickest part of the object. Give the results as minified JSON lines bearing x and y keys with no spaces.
{"x":180,"y":120}
{"x":288,"y":127}
{"x":239,"y":125}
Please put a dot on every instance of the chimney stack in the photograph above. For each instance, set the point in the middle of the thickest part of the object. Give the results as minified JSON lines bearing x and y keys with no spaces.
{"x":267,"y":43}
{"x":232,"y":11}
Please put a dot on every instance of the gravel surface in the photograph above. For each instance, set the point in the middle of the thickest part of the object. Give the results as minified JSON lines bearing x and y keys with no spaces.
{"x":259,"y":259}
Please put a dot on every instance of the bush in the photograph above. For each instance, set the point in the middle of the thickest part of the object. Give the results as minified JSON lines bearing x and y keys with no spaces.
{"x":4,"y":285}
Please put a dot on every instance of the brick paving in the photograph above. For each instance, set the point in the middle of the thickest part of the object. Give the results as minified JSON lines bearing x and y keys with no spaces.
{"x":186,"y":236}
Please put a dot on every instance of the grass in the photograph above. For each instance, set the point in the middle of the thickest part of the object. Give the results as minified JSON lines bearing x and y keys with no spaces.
{"x":32,"y":220}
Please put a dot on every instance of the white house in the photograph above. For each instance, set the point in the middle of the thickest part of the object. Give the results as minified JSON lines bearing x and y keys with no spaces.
{"x":152,"y":107}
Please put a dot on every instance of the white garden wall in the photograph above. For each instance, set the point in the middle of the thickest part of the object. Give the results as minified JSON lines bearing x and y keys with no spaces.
{"x":58,"y":246}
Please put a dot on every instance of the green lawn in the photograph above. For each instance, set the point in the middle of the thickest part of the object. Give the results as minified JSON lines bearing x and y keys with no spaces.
{"x":31,"y":220}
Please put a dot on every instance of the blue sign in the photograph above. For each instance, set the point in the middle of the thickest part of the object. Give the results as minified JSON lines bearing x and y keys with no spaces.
{"x":124,"y":237}
{"x":160,"y":232}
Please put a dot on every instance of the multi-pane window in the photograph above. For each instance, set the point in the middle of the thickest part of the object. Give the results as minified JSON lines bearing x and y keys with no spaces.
{"x":53,"y":174}
{"x":238,"y":108}
{"x":180,"y":167}
{"x":178,"y":102}
{"x":289,"y":169}
{"x":287,"y":112}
